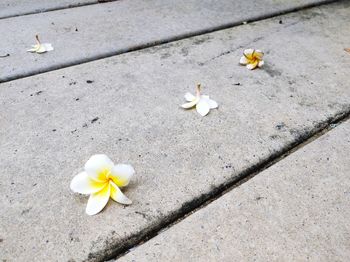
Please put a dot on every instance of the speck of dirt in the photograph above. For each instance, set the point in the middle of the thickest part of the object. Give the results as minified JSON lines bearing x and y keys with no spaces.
{"x":280,"y":22}
{"x":274,"y":136}
{"x":94,"y":120}
{"x":36,"y":93}
{"x":89,"y":81}
{"x":54,"y":130}
{"x":237,"y":84}
{"x":72,"y":83}
{"x":76,"y":30}
{"x":280,"y":126}
{"x":85,"y":125}
{"x":1,"y":240}
{"x":77,"y":99}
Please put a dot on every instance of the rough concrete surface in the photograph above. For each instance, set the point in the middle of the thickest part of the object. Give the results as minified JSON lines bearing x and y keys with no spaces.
{"x":296,"y":210}
{"x":47,"y":129}
{"x":89,"y":32}
{"x":9,"y":8}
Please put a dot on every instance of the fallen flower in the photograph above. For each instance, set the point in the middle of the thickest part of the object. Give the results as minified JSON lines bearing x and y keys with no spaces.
{"x":347,"y":50}
{"x":203,"y":103}
{"x":101,"y":180}
{"x":39,"y":47}
{"x":252,"y":58}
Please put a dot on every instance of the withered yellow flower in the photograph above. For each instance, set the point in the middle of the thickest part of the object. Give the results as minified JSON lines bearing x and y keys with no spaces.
{"x":252,"y":58}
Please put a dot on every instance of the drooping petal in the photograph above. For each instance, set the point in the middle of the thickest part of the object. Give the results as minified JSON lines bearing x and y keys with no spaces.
{"x":261,"y":63}
{"x":98,"y":167}
{"x":189,"y":97}
{"x":243,"y":60}
{"x":121,"y":174}
{"x":118,"y":196}
{"x":190,"y":104}
{"x":97,"y":201}
{"x":83,"y":184}
{"x":41,"y":49}
{"x":203,"y":107}
{"x":34,"y":48}
{"x":253,"y":65}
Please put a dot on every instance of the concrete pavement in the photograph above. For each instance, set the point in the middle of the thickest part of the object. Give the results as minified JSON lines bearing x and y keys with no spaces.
{"x":11,"y":8}
{"x":56,"y":155}
{"x":296,"y":210}
{"x":127,"y":107}
{"x":96,"y":31}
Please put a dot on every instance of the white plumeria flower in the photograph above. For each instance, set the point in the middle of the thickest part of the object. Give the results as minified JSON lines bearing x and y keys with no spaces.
{"x":101,"y":179}
{"x":252,"y":58}
{"x":202,"y":103}
{"x":39,"y":47}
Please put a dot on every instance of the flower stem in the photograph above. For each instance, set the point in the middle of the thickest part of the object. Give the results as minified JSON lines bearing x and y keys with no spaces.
{"x":198,"y":89}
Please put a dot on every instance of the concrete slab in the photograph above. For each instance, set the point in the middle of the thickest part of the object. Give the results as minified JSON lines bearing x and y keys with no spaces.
{"x":296,"y":210}
{"x":91,"y":32}
{"x":10,"y":8}
{"x":47,"y":132}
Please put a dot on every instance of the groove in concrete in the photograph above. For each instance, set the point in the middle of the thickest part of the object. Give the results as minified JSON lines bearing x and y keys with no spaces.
{"x":203,"y":200}
{"x":163,"y":41}
{"x":59,"y":7}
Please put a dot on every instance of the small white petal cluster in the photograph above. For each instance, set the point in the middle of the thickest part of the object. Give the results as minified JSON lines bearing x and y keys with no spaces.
{"x":40,"y":48}
{"x":202,"y":103}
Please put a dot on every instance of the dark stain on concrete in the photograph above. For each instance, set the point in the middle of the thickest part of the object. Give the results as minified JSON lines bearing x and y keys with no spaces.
{"x":272,"y":72}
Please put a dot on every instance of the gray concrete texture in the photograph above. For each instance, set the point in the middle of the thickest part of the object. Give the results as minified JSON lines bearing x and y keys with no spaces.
{"x":296,"y":210}
{"x":90,"y":32}
{"x":10,"y":8}
{"x":47,"y":132}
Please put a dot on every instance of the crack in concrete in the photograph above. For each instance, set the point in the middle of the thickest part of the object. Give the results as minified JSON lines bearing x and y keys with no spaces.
{"x":116,"y":250}
{"x":92,"y":2}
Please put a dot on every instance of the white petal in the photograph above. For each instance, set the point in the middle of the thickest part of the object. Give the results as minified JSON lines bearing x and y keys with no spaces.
{"x":121,"y":174}
{"x":252,"y":65}
{"x":97,"y":164}
{"x":261,"y":63}
{"x":190,"y":104}
{"x":118,"y":196}
{"x":48,"y":47}
{"x":259,"y":54}
{"x":189,"y":97}
{"x":33,"y":49}
{"x":203,"y":107}
{"x":248,"y":52}
{"x":243,"y":60}
{"x":97,"y":201}
{"x":83,"y":184}
{"x":212,"y":104}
